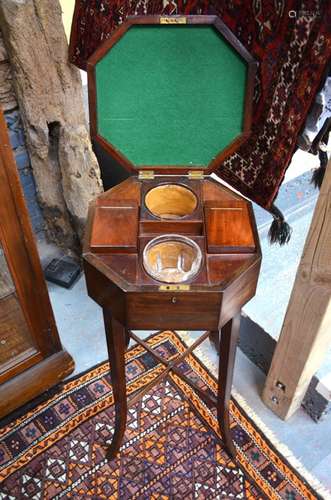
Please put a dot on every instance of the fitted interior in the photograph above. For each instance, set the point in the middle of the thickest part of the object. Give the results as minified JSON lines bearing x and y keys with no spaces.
{"x":172,"y":258}
{"x":171,"y":95}
{"x":171,"y":201}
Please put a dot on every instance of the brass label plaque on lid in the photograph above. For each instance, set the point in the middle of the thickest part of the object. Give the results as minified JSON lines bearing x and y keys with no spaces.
{"x":174,"y":288}
{"x":173,"y":20}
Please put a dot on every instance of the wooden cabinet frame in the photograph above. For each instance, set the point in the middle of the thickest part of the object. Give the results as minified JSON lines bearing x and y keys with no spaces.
{"x":36,"y":369}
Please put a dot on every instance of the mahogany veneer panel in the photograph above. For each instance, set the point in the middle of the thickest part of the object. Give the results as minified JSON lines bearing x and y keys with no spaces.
{"x":214,"y":191}
{"x":154,"y":228}
{"x":224,"y":268}
{"x":228,"y":227}
{"x":173,"y":310}
{"x":239,"y":291}
{"x":128,"y":190}
{"x":115,"y":228}
{"x":126,"y":265}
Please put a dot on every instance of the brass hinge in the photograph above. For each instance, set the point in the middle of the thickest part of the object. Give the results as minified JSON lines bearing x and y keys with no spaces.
{"x":195,"y":174}
{"x":173,"y":20}
{"x":146,"y":174}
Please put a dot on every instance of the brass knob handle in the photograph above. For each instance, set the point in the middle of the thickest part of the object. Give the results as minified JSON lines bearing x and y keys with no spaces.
{"x":174,"y":300}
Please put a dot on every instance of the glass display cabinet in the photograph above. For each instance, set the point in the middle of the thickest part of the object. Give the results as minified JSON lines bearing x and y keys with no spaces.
{"x":31,"y":356}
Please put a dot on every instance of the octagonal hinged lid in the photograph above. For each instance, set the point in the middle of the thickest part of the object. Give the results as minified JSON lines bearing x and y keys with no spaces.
{"x":171,"y":94}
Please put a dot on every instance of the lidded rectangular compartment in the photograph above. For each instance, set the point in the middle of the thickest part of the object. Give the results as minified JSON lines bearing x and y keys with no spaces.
{"x":228,"y":227}
{"x":107,"y":231}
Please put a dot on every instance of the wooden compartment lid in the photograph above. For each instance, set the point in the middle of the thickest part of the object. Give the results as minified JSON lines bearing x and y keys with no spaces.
{"x":171,"y":95}
{"x":229,"y":227}
{"x":115,"y":227}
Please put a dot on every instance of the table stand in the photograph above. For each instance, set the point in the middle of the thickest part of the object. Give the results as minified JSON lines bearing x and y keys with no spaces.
{"x":118,"y":338}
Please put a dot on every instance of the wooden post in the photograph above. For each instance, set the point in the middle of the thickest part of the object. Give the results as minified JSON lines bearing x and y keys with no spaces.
{"x":306,"y":331}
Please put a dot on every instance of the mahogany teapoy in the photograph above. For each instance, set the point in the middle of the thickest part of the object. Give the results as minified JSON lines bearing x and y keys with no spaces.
{"x":170,"y":247}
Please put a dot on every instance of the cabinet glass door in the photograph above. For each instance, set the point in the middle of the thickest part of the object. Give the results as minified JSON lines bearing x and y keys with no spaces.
{"x":16,"y":343}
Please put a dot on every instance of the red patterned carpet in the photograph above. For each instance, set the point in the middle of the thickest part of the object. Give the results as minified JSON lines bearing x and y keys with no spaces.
{"x":171,"y":450}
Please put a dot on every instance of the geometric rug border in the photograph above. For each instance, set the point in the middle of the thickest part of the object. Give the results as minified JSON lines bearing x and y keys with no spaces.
{"x":291,"y":469}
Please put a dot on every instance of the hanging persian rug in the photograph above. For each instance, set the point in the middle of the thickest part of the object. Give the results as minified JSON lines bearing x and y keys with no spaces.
{"x":290,"y":39}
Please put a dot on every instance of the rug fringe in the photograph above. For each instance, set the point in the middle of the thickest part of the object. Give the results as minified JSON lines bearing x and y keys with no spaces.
{"x":281,"y":447}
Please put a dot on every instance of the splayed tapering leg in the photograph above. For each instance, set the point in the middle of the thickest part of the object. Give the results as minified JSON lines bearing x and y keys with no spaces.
{"x":116,"y":342}
{"x":227,"y":350}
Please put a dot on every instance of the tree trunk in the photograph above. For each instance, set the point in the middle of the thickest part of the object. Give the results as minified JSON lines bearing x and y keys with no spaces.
{"x":7,"y":93}
{"x":49,"y":94}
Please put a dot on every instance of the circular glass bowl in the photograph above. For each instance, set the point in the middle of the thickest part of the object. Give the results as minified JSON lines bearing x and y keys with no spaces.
{"x":170,"y":201}
{"x":172,"y":258}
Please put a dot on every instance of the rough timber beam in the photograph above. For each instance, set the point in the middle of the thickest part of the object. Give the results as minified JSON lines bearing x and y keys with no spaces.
{"x":306,"y":331}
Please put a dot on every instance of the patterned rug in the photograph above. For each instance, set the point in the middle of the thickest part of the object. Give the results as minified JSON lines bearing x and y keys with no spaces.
{"x":171,"y":450}
{"x":291,"y":40}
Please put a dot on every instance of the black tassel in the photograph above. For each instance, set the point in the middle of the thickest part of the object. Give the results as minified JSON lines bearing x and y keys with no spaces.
{"x":280,"y":231}
{"x":318,"y":173}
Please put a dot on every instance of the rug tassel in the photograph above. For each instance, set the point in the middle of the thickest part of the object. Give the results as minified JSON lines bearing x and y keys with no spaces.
{"x":318,"y":173}
{"x":280,"y":231}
